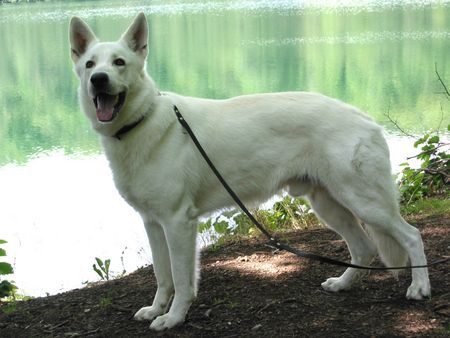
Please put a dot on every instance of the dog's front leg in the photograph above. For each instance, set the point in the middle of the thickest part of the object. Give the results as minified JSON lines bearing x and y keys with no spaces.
{"x":163,"y":273}
{"x":181,"y":239}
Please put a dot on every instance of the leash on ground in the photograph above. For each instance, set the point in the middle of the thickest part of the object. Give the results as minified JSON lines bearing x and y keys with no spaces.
{"x":273,"y":242}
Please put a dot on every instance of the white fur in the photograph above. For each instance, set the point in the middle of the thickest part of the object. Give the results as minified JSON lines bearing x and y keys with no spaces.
{"x":306,"y":143}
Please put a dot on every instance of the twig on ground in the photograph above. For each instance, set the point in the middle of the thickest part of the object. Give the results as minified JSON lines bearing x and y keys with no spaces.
{"x":119,"y":308}
{"x":84,"y":334}
{"x":52,"y":328}
{"x":265,"y":306}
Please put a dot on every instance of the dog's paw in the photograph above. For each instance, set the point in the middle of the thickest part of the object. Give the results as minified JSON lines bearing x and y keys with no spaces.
{"x":419,"y":291}
{"x":148,"y":313}
{"x":335,"y":284}
{"x":166,"y":321}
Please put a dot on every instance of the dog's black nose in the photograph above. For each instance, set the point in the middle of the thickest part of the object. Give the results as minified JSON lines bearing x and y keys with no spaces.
{"x":99,"y":80}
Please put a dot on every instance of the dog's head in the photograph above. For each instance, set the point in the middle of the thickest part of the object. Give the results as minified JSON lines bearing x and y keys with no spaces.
{"x":109,"y":72}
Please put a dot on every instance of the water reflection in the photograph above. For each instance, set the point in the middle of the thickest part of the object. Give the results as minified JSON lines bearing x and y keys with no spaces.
{"x":59,"y":212}
{"x":363,"y":38}
{"x":64,"y":10}
{"x":377,"y":60}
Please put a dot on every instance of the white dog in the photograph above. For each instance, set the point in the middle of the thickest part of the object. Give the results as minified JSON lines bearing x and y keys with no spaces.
{"x":305,"y":143}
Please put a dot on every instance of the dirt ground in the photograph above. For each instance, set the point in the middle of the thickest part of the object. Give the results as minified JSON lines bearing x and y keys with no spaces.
{"x":248,"y":289}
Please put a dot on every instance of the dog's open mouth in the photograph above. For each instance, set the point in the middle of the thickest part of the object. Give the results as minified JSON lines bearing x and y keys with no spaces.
{"x":108,"y":106}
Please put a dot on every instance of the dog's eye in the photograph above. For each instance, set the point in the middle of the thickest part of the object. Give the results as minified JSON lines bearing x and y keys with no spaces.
{"x":89,"y":64}
{"x":119,"y":62}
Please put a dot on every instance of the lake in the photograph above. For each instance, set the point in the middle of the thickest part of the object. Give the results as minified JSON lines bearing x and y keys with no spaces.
{"x":59,"y":208}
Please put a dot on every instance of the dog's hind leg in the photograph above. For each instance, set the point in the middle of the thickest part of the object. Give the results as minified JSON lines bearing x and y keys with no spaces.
{"x":367,"y":189}
{"x":341,"y":220}
{"x":381,"y":213}
{"x":161,"y":267}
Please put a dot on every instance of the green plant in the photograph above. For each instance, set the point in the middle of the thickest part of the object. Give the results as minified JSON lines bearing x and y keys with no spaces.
{"x":124,"y":271}
{"x":105,"y":301}
{"x":285,"y":214}
{"x":228,"y":303}
{"x":231,"y":305}
{"x":9,"y":308}
{"x":433,"y":176}
{"x":102,"y":268}
{"x":7,"y":288}
{"x":218,"y":301}
{"x":289,"y":213}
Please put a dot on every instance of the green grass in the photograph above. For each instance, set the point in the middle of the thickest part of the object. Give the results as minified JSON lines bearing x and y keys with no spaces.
{"x":10,"y":303}
{"x":9,"y":308}
{"x":427,"y":207}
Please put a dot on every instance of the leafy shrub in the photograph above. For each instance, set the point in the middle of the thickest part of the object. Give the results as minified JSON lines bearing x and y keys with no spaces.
{"x":6,"y":287}
{"x":432,"y":178}
{"x":286,"y":214}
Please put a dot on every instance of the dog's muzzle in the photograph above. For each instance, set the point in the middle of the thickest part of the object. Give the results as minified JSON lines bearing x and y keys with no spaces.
{"x":107,"y":104}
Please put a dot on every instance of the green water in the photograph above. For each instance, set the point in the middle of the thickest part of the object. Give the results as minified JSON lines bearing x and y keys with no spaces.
{"x":380,"y":57}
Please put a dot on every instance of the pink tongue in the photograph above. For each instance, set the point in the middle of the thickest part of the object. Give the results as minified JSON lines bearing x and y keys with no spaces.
{"x":105,"y":107}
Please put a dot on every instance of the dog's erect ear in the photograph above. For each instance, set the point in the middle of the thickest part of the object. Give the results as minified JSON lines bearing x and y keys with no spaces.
{"x":81,"y":36}
{"x":136,"y":35}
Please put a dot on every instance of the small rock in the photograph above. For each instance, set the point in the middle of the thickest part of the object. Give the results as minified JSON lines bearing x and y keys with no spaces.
{"x":208,"y":313}
{"x":256,"y":327}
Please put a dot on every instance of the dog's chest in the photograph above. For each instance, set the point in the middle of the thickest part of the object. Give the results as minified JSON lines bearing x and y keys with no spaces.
{"x":142,"y":181}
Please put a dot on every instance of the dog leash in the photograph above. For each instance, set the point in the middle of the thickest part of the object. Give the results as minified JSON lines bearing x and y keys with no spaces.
{"x":272,"y":240}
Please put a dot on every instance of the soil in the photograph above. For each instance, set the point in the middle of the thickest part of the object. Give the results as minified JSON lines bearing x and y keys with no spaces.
{"x":249,"y":290}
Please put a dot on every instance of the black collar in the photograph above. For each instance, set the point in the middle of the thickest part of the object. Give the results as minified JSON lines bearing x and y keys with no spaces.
{"x":125,"y":129}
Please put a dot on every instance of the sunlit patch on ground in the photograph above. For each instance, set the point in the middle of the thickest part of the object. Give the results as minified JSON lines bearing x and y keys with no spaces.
{"x":263,"y":265}
{"x":443,"y":231}
{"x":413,"y":322}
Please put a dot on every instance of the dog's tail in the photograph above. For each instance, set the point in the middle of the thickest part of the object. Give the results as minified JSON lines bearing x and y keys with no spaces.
{"x":389,"y":249}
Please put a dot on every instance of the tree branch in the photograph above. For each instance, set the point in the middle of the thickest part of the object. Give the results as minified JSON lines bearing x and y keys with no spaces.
{"x":394,"y":122}
{"x":443,"y":144}
{"x":437,"y":172}
{"x":442,"y":119}
{"x":446,"y":92}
